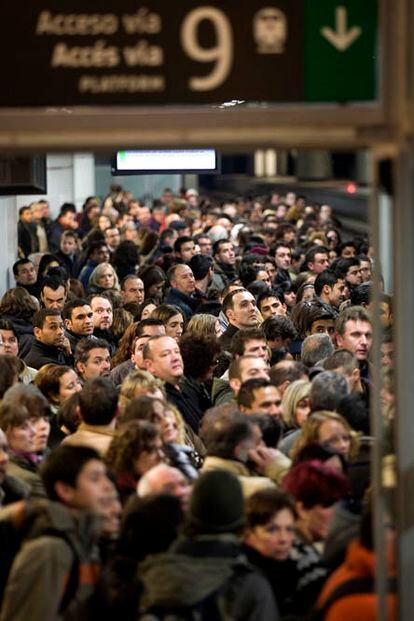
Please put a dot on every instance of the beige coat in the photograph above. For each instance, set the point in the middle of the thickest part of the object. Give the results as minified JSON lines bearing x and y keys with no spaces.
{"x":98,"y":437}
{"x":250,"y":483}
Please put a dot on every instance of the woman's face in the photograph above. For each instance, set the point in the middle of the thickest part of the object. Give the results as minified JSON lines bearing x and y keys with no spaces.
{"x":271,"y":270}
{"x":275,"y":538}
{"x":42,"y":428}
{"x":147,"y":311}
{"x":107,"y":279}
{"x":290,"y":298}
{"x":309,"y":293}
{"x":175,"y":326}
{"x":149,"y":458}
{"x":168,"y":424}
{"x":263,"y":275}
{"x":104,"y":223}
{"x":302,"y":411}
{"x":21,"y":437}
{"x":334,"y":435}
{"x":69,"y":384}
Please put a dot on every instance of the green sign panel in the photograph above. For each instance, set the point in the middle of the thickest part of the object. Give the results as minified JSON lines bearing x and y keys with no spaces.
{"x":341,"y":50}
{"x":123,"y":52}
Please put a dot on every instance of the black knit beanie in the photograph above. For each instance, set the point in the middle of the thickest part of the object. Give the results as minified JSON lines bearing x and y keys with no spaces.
{"x":217,"y":504}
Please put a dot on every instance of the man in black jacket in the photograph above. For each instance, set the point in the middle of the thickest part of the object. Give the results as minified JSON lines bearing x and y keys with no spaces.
{"x":162,"y":358}
{"x":50,"y":344}
{"x":78,"y":318}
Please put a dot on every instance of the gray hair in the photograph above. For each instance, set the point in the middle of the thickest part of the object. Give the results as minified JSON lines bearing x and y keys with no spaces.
{"x":327,"y":390}
{"x":148,"y":483}
{"x":315,"y":348}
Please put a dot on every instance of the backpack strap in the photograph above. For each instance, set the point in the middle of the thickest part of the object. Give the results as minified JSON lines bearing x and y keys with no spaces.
{"x":72,"y":583}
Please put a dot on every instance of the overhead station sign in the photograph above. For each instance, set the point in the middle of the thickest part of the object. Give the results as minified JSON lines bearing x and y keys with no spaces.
{"x":124,"y":52}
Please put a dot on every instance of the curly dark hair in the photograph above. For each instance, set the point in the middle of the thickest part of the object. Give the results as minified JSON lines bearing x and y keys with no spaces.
{"x":129,"y":442}
{"x":18,"y":302}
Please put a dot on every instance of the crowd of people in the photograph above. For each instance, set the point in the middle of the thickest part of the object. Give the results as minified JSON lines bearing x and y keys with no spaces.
{"x":184,"y":412}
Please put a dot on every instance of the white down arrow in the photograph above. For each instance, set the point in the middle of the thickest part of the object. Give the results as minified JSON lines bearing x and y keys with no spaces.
{"x":341,"y":38}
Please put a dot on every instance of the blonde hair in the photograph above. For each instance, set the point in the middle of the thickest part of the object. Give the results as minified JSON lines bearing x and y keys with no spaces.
{"x":204,"y":324}
{"x":310,"y":432}
{"x":138,"y":383}
{"x":181,"y":435}
{"x":97,"y":274}
{"x":294,"y":393}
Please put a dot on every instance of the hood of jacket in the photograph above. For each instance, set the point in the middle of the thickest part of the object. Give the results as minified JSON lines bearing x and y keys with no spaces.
{"x":45,"y":517}
{"x":176,"y":580}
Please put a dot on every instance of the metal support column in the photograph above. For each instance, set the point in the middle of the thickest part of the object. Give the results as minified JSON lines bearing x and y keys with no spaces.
{"x":404,"y":336}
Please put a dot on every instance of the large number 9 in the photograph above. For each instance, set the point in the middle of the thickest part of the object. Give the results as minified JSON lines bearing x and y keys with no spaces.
{"x":222,"y":53}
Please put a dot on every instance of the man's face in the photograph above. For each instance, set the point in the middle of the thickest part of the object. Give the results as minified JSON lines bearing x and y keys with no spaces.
{"x":143,"y":214}
{"x":354,"y":276}
{"x":4,"y":455}
{"x":98,"y":364}
{"x":68,"y":220}
{"x":26,"y":215}
{"x":283,"y":257}
{"x":91,"y":489}
{"x":184,"y":279}
{"x":172,"y":482}
{"x":385,"y":314}
{"x":205,"y":245}
{"x":137,"y":355}
{"x":244,"y":311}
{"x":271,"y":306}
{"x":130,"y":232}
{"x":348,"y":252}
{"x":187,"y":251}
{"x":113,"y":237}
{"x":10,"y":342}
{"x":52,"y":332}
{"x":366,"y":271}
{"x":101,"y":254}
{"x":323,"y":326}
{"x":52,"y":298}
{"x":257,"y":347}
{"x":357,"y":338}
{"x":111,"y":512}
{"x":133,"y":291}
{"x":68,"y":245}
{"x":250,"y":368}
{"x":166,"y":361}
{"x":267,"y":400}
{"x":337,"y":294}
{"x":226,"y":254}
{"x":320,"y":263}
{"x":102,"y":313}
{"x":387,"y":354}
{"x":81,"y":321}
{"x":263,"y":275}
{"x":26,"y":274}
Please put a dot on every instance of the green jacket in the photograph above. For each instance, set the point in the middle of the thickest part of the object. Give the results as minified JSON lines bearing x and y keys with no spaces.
{"x":42,"y":566}
{"x":194,"y":569}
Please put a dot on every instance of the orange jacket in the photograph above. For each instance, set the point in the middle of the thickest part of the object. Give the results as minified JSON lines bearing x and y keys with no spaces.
{"x":359,"y":563}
